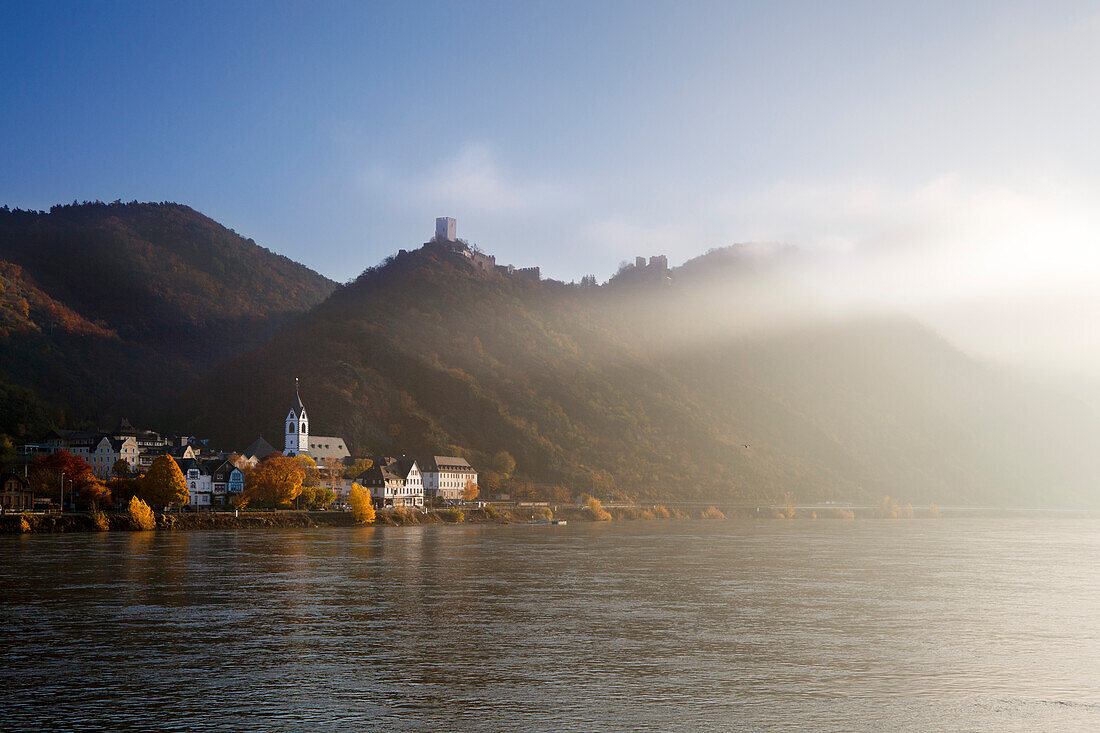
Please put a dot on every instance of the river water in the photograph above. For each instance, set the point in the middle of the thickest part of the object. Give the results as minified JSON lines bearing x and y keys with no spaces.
{"x":953,"y":624}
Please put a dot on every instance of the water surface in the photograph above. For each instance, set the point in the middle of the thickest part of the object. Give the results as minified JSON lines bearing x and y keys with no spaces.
{"x":954,"y":624}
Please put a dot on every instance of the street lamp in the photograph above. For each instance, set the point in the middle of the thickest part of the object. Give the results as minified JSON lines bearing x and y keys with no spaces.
{"x":62,"y":492}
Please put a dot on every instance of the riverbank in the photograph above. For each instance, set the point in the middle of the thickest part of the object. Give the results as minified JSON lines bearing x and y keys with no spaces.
{"x":117,"y":522}
{"x":287,"y":519}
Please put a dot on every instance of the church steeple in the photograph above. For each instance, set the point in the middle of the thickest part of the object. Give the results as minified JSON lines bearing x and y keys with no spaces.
{"x":297,"y":427}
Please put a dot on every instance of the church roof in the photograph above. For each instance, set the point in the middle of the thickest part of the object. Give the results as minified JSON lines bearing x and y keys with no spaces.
{"x":297,"y":396}
{"x":260,"y":449}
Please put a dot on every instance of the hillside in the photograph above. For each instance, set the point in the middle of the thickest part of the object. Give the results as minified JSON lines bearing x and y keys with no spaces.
{"x":718,"y":381}
{"x":108,"y":309}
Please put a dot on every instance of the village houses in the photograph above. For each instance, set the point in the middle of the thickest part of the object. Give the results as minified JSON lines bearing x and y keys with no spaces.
{"x":213,"y":479}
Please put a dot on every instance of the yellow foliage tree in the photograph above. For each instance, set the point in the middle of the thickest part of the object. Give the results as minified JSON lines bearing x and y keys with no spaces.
{"x":470,"y":491}
{"x":361,"y":507}
{"x":311,"y":475}
{"x":141,"y":515}
{"x":163,"y":484}
{"x":595,"y":510}
{"x":713,"y":512}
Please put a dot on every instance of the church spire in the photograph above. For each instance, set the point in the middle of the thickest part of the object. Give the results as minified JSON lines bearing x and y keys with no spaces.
{"x":298,"y":396}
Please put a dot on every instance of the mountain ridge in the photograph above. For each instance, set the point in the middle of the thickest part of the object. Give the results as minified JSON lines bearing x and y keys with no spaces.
{"x":160,"y":293}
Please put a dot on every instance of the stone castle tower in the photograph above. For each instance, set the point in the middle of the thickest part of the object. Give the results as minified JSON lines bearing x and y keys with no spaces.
{"x":297,"y":427}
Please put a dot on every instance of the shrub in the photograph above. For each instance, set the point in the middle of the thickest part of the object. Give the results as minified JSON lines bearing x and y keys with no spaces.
{"x":713,"y":512}
{"x":542,"y":512}
{"x":844,"y":514}
{"x":595,"y":511}
{"x":24,"y":525}
{"x":453,"y":514}
{"x":661,"y":512}
{"x":647,"y":514}
{"x":934,"y":511}
{"x":100,"y":520}
{"x":141,"y":516}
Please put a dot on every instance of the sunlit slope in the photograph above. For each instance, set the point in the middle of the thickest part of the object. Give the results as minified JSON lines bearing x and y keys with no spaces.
{"x":111,"y":309}
{"x":724,"y":383}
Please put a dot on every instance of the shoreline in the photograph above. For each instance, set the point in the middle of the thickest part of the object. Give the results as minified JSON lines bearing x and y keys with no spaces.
{"x":30,"y":523}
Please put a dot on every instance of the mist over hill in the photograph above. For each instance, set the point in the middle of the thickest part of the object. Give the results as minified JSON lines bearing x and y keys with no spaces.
{"x":110,"y":309}
{"x":723,"y":378}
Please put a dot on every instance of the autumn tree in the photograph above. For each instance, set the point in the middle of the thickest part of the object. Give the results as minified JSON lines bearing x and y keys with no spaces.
{"x":317,"y":497}
{"x":163,"y":483}
{"x":361,"y":506}
{"x":470,"y":491}
{"x":121,"y":469}
{"x":8,"y":454}
{"x":559,"y":494}
{"x":311,"y":475}
{"x":47,"y":473}
{"x":275,"y":482}
{"x":334,"y":471}
{"x":595,"y":511}
{"x":141,"y":515}
{"x":358,"y":467}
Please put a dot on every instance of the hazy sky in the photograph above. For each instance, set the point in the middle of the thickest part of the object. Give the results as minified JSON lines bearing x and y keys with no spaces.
{"x":941,"y":157}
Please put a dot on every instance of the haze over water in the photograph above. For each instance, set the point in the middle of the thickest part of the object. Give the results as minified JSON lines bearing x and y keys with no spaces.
{"x":956,"y":624}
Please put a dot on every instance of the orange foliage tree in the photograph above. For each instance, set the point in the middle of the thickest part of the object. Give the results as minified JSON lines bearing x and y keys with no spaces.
{"x":81,"y":485}
{"x":163,"y":483}
{"x":275,"y":482}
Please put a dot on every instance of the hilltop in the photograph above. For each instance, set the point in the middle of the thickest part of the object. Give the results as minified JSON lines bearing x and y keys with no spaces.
{"x":718,"y":379}
{"x":108,"y":309}
{"x":724,"y":378}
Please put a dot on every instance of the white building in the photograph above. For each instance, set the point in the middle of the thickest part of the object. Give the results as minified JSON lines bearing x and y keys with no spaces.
{"x":445,"y":228}
{"x":394,"y":482}
{"x":108,"y":451}
{"x":446,"y":477}
{"x":323,"y":449}
{"x":200,"y":484}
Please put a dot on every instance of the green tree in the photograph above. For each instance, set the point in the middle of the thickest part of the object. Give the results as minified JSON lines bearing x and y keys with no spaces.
{"x":164,"y":484}
{"x":504,"y":464}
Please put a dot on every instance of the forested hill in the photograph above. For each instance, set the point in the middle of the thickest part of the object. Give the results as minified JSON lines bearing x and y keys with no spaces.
{"x":109,"y":309}
{"x":715,"y":380}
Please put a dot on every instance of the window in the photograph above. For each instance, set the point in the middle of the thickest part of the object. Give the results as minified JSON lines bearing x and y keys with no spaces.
{"x":303,"y":428}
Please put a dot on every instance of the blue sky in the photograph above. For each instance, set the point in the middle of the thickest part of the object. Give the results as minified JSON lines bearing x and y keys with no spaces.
{"x":576,"y":135}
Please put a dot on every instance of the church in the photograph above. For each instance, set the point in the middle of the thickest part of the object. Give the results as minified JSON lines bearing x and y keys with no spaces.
{"x":297,"y":440}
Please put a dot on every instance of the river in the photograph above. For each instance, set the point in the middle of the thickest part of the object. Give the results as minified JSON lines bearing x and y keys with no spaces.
{"x":952,"y":624}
